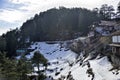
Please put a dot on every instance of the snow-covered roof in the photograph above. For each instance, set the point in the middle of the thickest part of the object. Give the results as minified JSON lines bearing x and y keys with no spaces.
{"x":108,"y":23}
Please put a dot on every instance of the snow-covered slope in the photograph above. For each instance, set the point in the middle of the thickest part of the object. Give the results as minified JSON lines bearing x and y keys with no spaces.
{"x":63,"y":60}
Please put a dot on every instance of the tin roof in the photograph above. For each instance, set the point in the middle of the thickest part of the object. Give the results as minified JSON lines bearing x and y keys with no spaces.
{"x":108,"y":23}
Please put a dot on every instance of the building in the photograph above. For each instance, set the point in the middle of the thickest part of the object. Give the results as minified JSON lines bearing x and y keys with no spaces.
{"x":21,"y":51}
{"x":107,"y":24}
{"x":115,"y":45}
{"x":105,"y":28}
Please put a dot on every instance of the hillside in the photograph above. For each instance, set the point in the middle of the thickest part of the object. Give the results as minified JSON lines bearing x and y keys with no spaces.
{"x":51,"y":25}
{"x":62,"y":61}
{"x":60,"y":43}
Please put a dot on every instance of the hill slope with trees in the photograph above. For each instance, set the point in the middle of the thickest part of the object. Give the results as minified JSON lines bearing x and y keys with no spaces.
{"x":53,"y":24}
{"x":58,"y":24}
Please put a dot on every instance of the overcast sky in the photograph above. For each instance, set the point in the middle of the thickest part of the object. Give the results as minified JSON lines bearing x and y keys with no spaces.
{"x":14,"y":12}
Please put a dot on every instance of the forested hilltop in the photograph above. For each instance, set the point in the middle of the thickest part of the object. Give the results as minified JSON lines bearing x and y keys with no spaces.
{"x":58,"y":24}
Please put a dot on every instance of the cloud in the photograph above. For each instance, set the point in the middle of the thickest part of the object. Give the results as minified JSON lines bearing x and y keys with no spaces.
{"x":31,"y":7}
{"x":11,"y":16}
{"x":18,"y":11}
{"x":3,"y":30}
{"x":6,"y":26}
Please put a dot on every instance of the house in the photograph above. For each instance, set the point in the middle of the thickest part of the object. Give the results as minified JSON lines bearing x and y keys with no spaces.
{"x":91,"y":34}
{"x":104,"y":28}
{"x":108,"y":25}
{"x":115,"y":45}
{"x":21,"y":51}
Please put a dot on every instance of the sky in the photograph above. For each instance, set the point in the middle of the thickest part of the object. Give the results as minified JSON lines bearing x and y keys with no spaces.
{"x":14,"y":12}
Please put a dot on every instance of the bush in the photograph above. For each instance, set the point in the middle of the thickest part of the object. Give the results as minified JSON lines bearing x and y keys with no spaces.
{"x":57,"y":73}
{"x":41,"y":77}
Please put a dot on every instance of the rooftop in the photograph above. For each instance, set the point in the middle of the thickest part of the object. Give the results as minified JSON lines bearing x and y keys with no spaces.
{"x":108,"y":23}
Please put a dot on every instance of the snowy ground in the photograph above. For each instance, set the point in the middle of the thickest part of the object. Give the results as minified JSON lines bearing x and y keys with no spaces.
{"x":61,"y":58}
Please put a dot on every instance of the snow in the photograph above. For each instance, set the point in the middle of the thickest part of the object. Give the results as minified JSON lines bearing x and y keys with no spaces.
{"x":32,"y":74}
{"x":99,"y":29}
{"x":101,"y":69}
{"x":102,"y":31}
{"x":60,"y":61}
{"x":52,"y":51}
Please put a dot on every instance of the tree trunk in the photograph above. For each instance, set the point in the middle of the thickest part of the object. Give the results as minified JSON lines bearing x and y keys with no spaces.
{"x":38,"y":68}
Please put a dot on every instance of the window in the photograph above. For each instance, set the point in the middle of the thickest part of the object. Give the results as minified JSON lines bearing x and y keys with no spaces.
{"x":119,"y":39}
{"x":114,"y":38}
{"x":113,"y":50}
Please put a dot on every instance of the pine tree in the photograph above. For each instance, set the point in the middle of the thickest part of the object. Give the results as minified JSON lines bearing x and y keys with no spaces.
{"x":12,"y":69}
{"x":24,"y":67}
{"x":8,"y":67}
{"x":38,"y":59}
